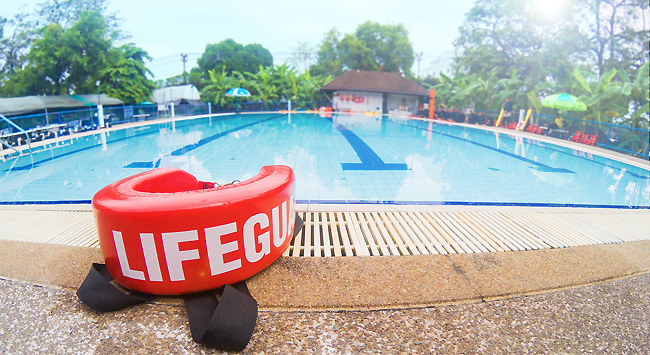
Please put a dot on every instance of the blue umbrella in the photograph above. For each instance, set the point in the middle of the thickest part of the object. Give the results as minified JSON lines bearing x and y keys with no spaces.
{"x":238,"y":92}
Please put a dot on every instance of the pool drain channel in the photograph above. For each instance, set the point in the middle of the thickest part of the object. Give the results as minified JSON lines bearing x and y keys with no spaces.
{"x":328,"y":234}
{"x":375,"y":233}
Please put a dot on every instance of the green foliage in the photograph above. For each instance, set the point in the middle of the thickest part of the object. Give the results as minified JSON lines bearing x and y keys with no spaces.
{"x":70,"y":53}
{"x":67,"y":60}
{"x":14,"y":45}
{"x":499,"y":36}
{"x":328,"y":57}
{"x":220,"y":83}
{"x":233,"y":56}
{"x":66,"y":13}
{"x":371,"y":47}
{"x":428,"y":82}
{"x":267,"y":84}
{"x":391,"y":48}
{"x":356,"y":55}
{"x":612,"y":29}
{"x":125,"y":77}
{"x":505,"y":49}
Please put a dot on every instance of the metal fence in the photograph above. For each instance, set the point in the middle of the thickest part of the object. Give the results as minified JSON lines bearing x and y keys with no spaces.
{"x":629,"y":140}
{"x":623,"y":139}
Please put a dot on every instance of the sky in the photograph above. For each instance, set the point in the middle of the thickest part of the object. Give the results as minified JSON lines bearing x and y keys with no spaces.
{"x":167,"y":28}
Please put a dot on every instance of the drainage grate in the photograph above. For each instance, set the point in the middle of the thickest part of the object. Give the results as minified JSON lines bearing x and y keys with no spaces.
{"x":328,"y":234}
{"x":359,"y":233}
{"x":73,"y":228}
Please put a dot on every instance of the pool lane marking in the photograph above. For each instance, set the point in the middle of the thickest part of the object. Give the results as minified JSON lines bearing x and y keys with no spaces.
{"x":190,"y":147}
{"x":369,"y":159}
{"x":540,"y":166}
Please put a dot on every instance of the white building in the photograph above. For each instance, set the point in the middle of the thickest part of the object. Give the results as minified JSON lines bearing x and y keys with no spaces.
{"x":374,"y":91}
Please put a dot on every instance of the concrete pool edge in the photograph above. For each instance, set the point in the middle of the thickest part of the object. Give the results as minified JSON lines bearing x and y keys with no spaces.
{"x":377,"y":282}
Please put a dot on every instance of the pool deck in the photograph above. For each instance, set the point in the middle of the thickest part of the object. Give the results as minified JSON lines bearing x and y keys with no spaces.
{"x":591,"y":296}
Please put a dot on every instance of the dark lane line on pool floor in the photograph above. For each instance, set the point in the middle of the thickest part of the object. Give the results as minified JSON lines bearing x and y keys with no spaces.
{"x":539,"y":166}
{"x":190,"y":147}
{"x":369,"y":159}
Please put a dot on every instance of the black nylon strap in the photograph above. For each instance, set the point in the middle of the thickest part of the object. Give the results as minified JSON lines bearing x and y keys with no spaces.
{"x":227,"y":324}
{"x":297,"y":226}
{"x":98,"y":293}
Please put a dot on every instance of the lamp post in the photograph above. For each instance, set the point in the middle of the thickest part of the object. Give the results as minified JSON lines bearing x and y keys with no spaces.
{"x":100,"y":109}
{"x":184,"y":60}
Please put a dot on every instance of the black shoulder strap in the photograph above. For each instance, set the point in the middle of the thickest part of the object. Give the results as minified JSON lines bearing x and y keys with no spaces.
{"x":98,"y":293}
{"x":226,"y":324}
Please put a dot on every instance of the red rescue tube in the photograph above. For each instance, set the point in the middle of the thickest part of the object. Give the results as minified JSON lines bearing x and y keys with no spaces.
{"x":163,"y":232}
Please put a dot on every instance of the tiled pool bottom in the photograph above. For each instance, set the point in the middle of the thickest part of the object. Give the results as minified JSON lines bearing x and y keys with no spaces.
{"x":345,"y":159}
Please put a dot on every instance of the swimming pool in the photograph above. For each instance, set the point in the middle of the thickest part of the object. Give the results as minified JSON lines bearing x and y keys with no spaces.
{"x":338,"y":159}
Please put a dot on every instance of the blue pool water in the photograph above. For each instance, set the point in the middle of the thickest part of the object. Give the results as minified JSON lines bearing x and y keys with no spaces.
{"x":344,"y":158}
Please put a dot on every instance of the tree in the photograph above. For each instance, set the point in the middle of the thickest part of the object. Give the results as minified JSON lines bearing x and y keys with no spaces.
{"x":616,"y":35}
{"x":507,"y":35}
{"x":66,"y":13}
{"x":588,"y":51}
{"x":71,"y":53}
{"x":356,"y":55}
{"x":638,"y":88}
{"x":328,"y":59}
{"x":234,"y":57}
{"x":390,"y":46}
{"x":69,"y":60}
{"x":267,"y":84}
{"x":124,"y":76}
{"x":14,"y":47}
{"x":371,"y":47}
{"x":220,"y":82}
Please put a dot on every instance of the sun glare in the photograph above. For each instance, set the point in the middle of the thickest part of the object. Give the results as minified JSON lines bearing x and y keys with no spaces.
{"x":550,"y":9}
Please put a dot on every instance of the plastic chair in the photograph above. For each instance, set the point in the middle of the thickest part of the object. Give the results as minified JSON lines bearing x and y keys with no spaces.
{"x":576,"y":137}
{"x":592,"y":140}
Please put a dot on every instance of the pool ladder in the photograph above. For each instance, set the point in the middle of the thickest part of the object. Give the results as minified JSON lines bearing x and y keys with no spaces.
{"x":29,"y":140}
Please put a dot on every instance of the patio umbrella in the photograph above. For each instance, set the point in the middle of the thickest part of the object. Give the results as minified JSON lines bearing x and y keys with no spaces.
{"x":564,"y":102}
{"x":238,"y":92}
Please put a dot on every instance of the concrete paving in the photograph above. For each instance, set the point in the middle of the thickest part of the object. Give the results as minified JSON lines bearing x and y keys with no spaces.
{"x":609,"y":317}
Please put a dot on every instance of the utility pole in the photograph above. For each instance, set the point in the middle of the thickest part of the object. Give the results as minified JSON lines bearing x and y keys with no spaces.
{"x":184,"y":59}
{"x":418,"y":57}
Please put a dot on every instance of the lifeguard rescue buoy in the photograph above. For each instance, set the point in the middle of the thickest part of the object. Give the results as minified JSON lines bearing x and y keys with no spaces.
{"x":163,"y":232}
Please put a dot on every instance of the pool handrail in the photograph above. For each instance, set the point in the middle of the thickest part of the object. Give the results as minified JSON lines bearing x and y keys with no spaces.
{"x":29,"y":140}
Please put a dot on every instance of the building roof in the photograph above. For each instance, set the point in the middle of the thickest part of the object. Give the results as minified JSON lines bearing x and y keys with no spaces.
{"x":375,"y":81}
{"x":26,"y":104}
